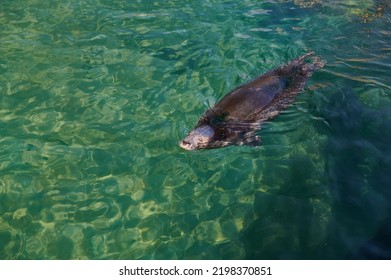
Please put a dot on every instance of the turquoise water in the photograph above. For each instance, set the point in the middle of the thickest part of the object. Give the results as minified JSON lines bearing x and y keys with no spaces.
{"x":95,"y":96}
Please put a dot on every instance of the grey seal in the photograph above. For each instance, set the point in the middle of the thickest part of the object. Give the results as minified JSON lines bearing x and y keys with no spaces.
{"x":235,"y":119}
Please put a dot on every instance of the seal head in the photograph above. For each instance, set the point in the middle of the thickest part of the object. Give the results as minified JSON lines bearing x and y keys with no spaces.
{"x":198,"y":138}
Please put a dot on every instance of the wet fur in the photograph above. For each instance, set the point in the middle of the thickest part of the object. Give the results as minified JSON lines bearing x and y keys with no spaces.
{"x":239,"y":114}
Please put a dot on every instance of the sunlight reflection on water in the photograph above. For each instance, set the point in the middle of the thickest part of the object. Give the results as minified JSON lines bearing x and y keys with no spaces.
{"x":96,"y":96}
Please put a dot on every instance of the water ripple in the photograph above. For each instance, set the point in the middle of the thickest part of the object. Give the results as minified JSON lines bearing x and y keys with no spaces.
{"x":95,"y":97}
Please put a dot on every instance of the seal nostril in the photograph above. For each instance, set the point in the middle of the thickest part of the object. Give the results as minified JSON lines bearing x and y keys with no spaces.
{"x":185,"y":145}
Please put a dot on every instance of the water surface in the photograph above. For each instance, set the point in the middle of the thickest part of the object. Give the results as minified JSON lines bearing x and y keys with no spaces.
{"x":95,"y":95}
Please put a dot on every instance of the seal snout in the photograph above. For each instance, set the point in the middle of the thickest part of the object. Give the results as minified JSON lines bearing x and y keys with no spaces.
{"x":185,"y":145}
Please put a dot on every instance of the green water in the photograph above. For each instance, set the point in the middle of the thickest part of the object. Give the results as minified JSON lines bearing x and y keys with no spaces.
{"x":95,"y":96}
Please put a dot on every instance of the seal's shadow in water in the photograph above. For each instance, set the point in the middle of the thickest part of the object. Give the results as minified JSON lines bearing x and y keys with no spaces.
{"x":359,"y":160}
{"x":357,"y":169}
